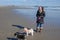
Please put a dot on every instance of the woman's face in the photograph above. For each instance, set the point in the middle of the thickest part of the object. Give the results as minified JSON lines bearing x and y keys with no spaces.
{"x":40,"y":9}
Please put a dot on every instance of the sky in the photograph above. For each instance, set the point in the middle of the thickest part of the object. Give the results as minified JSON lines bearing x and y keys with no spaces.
{"x":31,"y":2}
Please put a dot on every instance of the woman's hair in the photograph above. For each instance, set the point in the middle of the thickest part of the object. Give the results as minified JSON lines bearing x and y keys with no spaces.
{"x":42,"y":8}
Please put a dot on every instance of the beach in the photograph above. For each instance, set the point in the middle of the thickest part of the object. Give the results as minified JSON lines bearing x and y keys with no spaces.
{"x":27,"y":18}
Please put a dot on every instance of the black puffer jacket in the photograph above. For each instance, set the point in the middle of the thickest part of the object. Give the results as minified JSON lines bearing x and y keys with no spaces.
{"x":40,"y":17}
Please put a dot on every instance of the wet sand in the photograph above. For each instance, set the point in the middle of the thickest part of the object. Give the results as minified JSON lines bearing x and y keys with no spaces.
{"x":9,"y":17}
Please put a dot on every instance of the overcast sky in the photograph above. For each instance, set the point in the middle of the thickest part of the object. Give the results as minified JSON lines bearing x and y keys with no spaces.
{"x":30,"y":2}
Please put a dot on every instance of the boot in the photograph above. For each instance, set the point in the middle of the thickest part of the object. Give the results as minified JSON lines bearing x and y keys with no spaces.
{"x":41,"y":28}
{"x":37,"y":29}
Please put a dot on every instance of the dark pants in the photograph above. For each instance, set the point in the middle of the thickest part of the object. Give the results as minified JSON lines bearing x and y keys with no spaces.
{"x":39,"y":25}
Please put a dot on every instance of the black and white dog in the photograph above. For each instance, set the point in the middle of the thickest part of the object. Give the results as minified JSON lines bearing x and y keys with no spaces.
{"x":26,"y":29}
{"x":20,"y":36}
{"x":25,"y":33}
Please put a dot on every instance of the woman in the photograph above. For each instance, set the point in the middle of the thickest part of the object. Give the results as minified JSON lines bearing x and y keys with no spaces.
{"x":40,"y":18}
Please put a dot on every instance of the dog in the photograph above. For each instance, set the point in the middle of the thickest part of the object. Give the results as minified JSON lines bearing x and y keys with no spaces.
{"x":28,"y":31}
{"x":20,"y":36}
